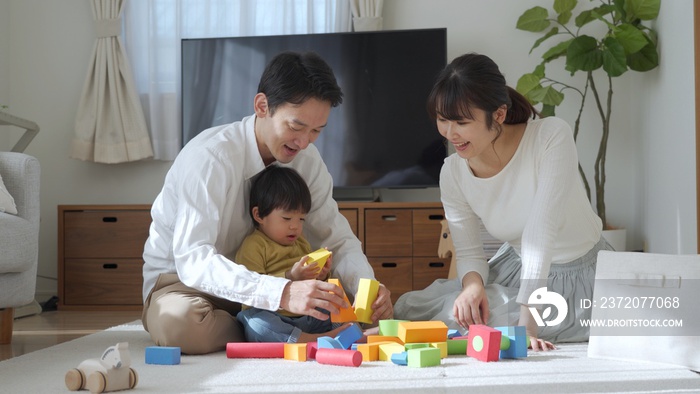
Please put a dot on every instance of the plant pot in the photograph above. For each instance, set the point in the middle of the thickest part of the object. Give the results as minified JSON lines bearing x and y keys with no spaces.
{"x":616,"y":238}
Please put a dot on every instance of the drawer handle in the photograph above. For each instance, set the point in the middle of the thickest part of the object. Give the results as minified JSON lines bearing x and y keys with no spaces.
{"x":388,"y":265}
{"x":110,"y":266}
{"x":389,"y":218}
{"x":436,"y":264}
{"x":109,"y":219}
{"x":436,"y":217}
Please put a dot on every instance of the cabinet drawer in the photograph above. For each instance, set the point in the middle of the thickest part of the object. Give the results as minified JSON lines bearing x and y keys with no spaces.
{"x":388,"y":232}
{"x":426,"y":231}
{"x":394,"y":273}
{"x":351,"y":216}
{"x":103,"y":282}
{"x":105,"y":234}
{"x":426,"y":270}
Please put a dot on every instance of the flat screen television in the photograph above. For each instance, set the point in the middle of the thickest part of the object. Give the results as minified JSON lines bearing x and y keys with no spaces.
{"x":379,"y":137}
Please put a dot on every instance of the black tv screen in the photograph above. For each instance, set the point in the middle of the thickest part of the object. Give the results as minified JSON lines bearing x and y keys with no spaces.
{"x":379,"y":137}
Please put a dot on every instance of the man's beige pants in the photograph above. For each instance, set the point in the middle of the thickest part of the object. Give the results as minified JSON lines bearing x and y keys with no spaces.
{"x":196,"y":322}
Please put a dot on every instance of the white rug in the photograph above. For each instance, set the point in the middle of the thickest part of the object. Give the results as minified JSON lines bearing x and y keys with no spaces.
{"x":565,"y":370}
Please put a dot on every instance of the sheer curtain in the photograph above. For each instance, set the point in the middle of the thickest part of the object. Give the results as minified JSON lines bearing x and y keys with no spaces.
{"x":153,"y":30}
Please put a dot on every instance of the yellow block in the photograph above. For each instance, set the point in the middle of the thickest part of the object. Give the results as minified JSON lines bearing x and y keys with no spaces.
{"x":366,"y":295}
{"x":423,"y":331}
{"x":346,"y":314}
{"x":442,"y":346}
{"x":320,"y":256}
{"x":383,"y":338}
{"x":295,"y":351}
{"x":387,"y":349}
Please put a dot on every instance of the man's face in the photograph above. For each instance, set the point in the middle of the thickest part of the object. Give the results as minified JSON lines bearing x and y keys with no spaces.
{"x":290,"y":129}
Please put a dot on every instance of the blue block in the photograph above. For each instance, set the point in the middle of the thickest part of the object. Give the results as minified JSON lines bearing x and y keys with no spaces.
{"x":518,"y":342}
{"x":349,"y":336}
{"x":328,"y":343}
{"x":162,"y":355}
{"x":400,"y":358}
{"x":451,"y":333}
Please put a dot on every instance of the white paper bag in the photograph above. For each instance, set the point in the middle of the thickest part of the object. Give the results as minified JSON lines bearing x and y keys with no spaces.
{"x":647,"y":308}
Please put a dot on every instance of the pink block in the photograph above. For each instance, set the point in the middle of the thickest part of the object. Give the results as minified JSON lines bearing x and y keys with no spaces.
{"x":255,"y":350}
{"x":346,"y":358}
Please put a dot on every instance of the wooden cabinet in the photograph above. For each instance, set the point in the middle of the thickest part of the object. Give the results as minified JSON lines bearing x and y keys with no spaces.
{"x":401,"y":242}
{"x":100,"y":250}
{"x":100,"y":260}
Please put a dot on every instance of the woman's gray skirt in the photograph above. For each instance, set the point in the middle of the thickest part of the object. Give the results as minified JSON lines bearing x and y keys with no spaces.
{"x":573,"y":280}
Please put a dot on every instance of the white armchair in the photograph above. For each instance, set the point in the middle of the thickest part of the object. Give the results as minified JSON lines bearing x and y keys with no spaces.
{"x":19,"y":237}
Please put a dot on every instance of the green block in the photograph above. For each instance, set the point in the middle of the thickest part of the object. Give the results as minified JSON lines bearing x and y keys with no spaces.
{"x":389,"y":327}
{"x":424,"y":357}
{"x":410,"y":346}
{"x":457,"y":346}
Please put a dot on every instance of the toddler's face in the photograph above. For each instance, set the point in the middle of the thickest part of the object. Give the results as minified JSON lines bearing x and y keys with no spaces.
{"x":283,"y":227}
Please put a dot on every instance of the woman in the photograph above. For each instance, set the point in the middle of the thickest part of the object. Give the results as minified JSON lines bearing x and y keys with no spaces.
{"x":519,"y":175}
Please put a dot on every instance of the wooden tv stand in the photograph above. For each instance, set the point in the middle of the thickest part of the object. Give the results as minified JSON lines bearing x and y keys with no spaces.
{"x":100,"y":249}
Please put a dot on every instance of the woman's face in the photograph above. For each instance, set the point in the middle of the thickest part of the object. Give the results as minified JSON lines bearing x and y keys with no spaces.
{"x":470,"y":137}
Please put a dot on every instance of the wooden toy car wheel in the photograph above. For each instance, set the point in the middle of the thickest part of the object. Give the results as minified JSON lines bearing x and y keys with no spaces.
{"x":97,"y":382}
{"x":75,"y":380}
{"x":133,"y":378}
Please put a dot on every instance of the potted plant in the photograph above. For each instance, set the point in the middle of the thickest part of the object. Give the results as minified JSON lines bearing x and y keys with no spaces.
{"x":603,"y":41}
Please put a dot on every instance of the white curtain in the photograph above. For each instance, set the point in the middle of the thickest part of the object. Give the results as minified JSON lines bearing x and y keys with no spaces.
{"x":109,"y":125}
{"x":153,"y":33}
{"x":367,"y":14}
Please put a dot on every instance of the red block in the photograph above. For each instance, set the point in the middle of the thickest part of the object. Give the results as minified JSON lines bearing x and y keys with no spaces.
{"x":255,"y":350}
{"x":311,"y":349}
{"x":346,"y":358}
{"x":484,"y":343}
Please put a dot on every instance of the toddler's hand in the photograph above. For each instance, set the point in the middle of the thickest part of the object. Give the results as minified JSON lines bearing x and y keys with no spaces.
{"x":301,"y":271}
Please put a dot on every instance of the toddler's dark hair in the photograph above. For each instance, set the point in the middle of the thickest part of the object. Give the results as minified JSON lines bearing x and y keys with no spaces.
{"x":279,"y":187}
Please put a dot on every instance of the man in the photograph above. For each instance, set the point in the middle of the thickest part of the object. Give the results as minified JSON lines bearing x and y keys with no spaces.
{"x":192,"y":288}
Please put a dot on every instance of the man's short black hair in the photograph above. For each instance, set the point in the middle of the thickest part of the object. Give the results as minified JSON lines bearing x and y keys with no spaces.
{"x":279,"y":187}
{"x":292,"y":77}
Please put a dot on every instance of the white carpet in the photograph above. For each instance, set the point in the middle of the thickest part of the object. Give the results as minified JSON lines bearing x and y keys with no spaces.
{"x":565,"y":370}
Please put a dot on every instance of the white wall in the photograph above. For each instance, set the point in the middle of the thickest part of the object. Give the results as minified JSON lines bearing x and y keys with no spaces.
{"x":45,"y":48}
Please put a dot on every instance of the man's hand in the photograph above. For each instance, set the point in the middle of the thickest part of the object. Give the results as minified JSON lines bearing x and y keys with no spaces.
{"x":303,"y":297}
{"x":382,"y":307}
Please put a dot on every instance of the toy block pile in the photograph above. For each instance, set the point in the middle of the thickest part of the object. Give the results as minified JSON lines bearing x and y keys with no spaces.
{"x":415,"y":344}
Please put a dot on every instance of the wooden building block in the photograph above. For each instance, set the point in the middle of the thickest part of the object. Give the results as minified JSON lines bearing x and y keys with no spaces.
{"x":484,"y":343}
{"x":390,"y":327}
{"x":295,"y":351}
{"x":400,"y":358}
{"x":369,"y":351}
{"x":343,"y":357}
{"x":516,"y":345}
{"x":255,"y":350}
{"x":311,"y":348}
{"x":328,"y":343}
{"x":346,"y":314}
{"x":422,"y":331}
{"x":319,"y":256}
{"x":423,"y":357}
{"x":163,"y":355}
{"x":410,"y":346}
{"x":387,"y":349}
{"x":457,"y":347}
{"x":383,"y":338}
{"x":366,"y":295}
{"x":442,"y":346}
{"x":349,"y":336}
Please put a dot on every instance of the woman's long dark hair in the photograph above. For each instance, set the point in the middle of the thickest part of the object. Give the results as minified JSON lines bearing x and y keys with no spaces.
{"x":473,"y":81}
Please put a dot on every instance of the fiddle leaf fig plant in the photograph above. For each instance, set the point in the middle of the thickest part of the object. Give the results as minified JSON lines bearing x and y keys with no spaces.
{"x":602,"y":41}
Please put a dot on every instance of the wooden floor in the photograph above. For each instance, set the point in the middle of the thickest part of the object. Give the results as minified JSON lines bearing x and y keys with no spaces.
{"x":51,"y":328}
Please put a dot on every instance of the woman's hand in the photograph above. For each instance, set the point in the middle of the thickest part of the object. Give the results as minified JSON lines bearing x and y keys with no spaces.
{"x":530,"y":324}
{"x":471,"y":305}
